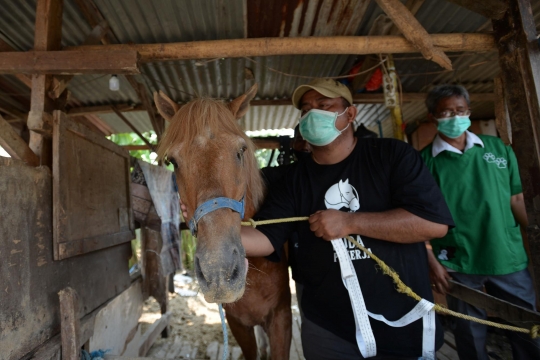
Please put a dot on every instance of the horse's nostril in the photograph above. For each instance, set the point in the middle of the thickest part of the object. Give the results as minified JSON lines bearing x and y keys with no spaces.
{"x":198,"y":271}
{"x":235,"y":273}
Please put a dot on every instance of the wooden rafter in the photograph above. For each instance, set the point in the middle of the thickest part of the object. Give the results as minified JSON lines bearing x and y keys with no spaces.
{"x":331,"y":45}
{"x":72,"y":62}
{"x":414,"y":32}
{"x":157,"y":122}
{"x":92,"y":16}
{"x":135,"y":130}
{"x":14,"y":145}
{"x":59,"y":83}
{"x":365,"y":98}
{"x":492,"y":9}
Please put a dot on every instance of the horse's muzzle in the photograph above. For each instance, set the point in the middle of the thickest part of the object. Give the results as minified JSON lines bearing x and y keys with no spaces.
{"x":221,"y":274}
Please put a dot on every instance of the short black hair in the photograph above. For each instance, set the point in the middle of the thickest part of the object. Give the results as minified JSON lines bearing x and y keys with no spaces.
{"x":444,"y":91}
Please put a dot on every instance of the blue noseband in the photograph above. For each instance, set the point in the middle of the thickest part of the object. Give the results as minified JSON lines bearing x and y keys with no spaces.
{"x":214,"y":204}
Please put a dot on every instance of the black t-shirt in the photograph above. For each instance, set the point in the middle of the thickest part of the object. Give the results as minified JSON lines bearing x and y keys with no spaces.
{"x":273,"y":176}
{"x":379,"y":175}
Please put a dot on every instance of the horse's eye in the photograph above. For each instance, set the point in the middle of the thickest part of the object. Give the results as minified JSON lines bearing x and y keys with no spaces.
{"x":240,"y":153}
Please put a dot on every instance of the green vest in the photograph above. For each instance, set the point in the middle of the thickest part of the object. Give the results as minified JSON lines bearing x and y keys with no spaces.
{"x":477,"y":187}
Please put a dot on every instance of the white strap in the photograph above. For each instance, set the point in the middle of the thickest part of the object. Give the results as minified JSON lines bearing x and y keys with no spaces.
{"x":421,"y":309}
{"x":428,"y":337}
{"x":424,"y":310}
{"x":364,"y":334}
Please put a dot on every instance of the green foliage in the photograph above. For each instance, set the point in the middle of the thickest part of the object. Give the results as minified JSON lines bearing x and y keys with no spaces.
{"x":263,"y":157}
{"x":189,"y":245}
{"x":134,"y":139}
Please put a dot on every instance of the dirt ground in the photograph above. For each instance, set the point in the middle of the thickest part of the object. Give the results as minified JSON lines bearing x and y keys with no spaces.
{"x":197,"y":322}
{"x":193,"y":319}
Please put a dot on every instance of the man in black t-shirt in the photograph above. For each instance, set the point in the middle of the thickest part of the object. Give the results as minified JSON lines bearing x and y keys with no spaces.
{"x":379,"y":191}
{"x":274,"y":176}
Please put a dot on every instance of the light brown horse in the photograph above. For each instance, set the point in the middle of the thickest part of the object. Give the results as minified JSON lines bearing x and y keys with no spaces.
{"x":214,"y":158}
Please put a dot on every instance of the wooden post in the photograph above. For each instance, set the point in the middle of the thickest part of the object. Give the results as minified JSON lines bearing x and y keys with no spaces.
{"x":519,"y":59}
{"x":69,"y":324}
{"x":48,"y":36}
{"x":502,"y":118}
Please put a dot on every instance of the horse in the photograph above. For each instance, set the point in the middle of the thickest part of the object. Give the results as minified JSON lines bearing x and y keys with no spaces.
{"x":220,"y":183}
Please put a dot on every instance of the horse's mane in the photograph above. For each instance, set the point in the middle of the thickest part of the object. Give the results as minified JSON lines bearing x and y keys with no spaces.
{"x":200,"y":116}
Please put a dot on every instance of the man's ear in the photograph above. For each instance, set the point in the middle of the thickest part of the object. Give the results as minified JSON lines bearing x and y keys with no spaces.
{"x":166,"y":107}
{"x":240,"y":105}
{"x":351,"y":113}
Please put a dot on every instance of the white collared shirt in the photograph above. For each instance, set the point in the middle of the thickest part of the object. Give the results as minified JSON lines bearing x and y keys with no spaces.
{"x":439,"y":145}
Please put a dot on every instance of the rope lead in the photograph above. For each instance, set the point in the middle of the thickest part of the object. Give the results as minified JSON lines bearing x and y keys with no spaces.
{"x":225,"y":333}
{"x":401,"y":287}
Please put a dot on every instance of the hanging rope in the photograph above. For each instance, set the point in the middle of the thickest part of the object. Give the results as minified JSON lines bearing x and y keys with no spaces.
{"x":401,"y":287}
{"x":225,"y":333}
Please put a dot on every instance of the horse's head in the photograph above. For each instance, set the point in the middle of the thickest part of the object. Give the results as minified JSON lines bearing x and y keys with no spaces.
{"x":213,"y":158}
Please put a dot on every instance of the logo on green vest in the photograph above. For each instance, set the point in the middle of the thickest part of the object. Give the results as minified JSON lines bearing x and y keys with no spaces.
{"x":500,"y":162}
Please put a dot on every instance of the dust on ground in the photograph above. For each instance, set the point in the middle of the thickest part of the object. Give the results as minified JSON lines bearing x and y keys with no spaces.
{"x":193,"y":319}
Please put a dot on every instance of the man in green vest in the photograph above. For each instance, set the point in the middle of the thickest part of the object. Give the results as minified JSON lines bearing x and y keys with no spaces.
{"x":479,"y":178}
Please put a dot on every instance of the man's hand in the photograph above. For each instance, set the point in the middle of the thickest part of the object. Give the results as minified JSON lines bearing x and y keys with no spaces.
{"x":330,"y":224}
{"x":183,"y":208}
{"x":438,"y":274}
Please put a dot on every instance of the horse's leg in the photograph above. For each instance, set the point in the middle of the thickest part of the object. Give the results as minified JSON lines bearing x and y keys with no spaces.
{"x":245,"y":336}
{"x":279,"y":330}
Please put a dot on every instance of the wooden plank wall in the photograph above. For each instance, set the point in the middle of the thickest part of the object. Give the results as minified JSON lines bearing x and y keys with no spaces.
{"x":29,"y":278}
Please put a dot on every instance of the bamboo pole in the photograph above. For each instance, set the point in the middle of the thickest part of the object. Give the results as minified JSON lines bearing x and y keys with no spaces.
{"x":332,"y":45}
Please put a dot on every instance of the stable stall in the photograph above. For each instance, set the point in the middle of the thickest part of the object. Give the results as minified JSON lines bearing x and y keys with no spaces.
{"x":75,"y":71}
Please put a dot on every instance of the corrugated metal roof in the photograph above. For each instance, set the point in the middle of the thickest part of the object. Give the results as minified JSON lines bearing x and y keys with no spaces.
{"x":142,"y":21}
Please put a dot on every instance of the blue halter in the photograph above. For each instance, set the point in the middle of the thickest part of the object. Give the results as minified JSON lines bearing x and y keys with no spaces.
{"x":214,"y":204}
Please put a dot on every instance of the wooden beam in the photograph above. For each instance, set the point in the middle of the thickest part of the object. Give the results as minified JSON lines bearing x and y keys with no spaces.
{"x":16,"y":113}
{"x":14,"y":145}
{"x":517,"y":315}
{"x":103,"y":109}
{"x":72,"y":62}
{"x":128,"y":123}
{"x":519,"y":60}
{"x":69,"y":324}
{"x":93,"y":16}
{"x":382,"y":25}
{"x":333,"y":45}
{"x":502,"y":118}
{"x":413,"y":6}
{"x":492,"y":9}
{"x":47,"y":37}
{"x":414,"y":32}
{"x":60,"y":82}
{"x":153,"y":332}
{"x":158,"y":124}
{"x":365,"y":98}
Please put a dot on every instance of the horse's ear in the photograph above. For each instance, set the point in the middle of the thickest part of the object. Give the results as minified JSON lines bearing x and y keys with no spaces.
{"x":240,"y":105}
{"x":166,"y":107}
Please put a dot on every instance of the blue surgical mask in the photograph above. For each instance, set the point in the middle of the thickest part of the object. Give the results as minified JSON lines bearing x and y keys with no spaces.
{"x":453,"y":127}
{"x":318,"y":127}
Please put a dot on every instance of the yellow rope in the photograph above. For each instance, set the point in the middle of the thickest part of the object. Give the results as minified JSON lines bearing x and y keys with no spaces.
{"x":401,"y":287}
